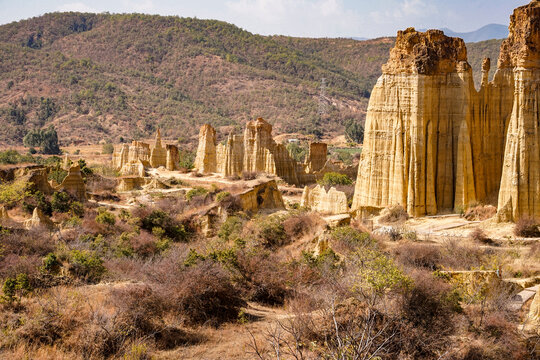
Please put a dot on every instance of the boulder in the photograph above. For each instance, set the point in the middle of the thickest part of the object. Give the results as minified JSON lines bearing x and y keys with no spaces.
{"x":39,"y":220}
{"x":264,"y":195}
{"x":332,"y":202}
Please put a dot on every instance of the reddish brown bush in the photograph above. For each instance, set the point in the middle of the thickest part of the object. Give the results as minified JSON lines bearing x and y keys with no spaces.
{"x":526,"y":227}
{"x":419,"y":255}
{"x":480,"y":236}
{"x":296,"y":226}
{"x":393,"y":214}
{"x":249,"y":175}
{"x":480,"y":213}
{"x":144,"y":244}
{"x":204,"y":294}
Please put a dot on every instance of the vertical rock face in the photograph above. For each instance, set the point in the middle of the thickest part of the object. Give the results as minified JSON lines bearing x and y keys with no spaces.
{"x":128,"y":158}
{"x":432,"y":142}
{"x":520,"y":60}
{"x":39,"y":220}
{"x":257,"y":152}
{"x":158,"y":154}
{"x":316,"y":158}
{"x":230,"y":157}
{"x":173,"y":157}
{"x":205,"y":161}
{"x":265,"y":195}
{"x":73,"y":183}
{"x":332,"y":202}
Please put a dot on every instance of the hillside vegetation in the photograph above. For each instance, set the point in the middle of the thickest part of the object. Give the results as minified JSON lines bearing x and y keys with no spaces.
{"x":115,"y":77}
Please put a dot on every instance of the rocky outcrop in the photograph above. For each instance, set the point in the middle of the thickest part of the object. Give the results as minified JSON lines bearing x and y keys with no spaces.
{"x":173,"y":157}
{"x":73,"y":183}
{"x":264,"y":195}
{"x":533,"y":320}
{"x":39,"y":220}
{"x":519,"y":61}
{"x":230,"y":157}
{"x":432,"y":142}
{"x":158,"y":154}
{"x":129,"y":183}
{"x":256,"y":152}
{"x":317,"y":156}
{"x":134,"y":159}
{"x":332,"y":202}
{"x":205,"y":161}
{"x":38,"y":178}
{"x":3,"y":213}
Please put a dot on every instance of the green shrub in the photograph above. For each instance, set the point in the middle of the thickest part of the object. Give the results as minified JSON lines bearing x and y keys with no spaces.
{"x":231,"y":229}
{"x":57,"y":173}
{"x":271,"y":231}
{"x":378,"y":272}
{"x":222,"y":196}
{"x":333,"y":179}
{"x":197,"y":191}
{"x":86,"y":265}
{"x":352,"y":237}
{"x":60,"y":202}
{"x":13,"y":287}
{"x":12,"y":193}
{"x":160,"y":219}
{"x":13,"y":157}
{"x":76,"y":208}
{"x":51,"y":264}
{"x":106,"y":218}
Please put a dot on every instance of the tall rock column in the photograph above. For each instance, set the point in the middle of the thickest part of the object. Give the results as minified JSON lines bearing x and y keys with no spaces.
{"x":205,"y":161}
{"x":417,"y":139}
{"x":520,"y":183}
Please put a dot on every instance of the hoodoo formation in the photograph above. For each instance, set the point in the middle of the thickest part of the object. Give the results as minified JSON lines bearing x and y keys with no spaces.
{"x":435,"y":143}
{"x":257,"y":152}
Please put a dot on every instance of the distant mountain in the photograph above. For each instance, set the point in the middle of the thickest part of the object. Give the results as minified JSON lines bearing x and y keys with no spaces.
{"x":488,"y":32}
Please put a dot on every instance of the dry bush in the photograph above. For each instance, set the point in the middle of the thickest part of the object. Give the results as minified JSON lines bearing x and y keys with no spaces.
{"x":526,"y":226}
{"x":99,"y":184}
{"x":458,"y":256}
{"x":299,"y":225}
{"x":480,"y":236}
{"x":418,"y":255}
{"x":480,"y":212}
{"x":393,"y":214}
{"x":204,"y":294}
{"x":263,"y":278}
{"x":144,"y":244}
{"x":172,"y":204}
{"x":246,"y":175}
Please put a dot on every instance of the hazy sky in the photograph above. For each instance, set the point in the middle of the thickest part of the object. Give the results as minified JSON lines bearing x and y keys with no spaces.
{"x":311,"y":18}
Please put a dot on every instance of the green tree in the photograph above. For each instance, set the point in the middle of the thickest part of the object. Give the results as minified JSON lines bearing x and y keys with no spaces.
{"x":354,"y":131}
{"x":46,"y":140}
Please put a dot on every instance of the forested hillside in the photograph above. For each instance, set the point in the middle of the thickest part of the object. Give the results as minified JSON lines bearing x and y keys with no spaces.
{"x":102,"y":76}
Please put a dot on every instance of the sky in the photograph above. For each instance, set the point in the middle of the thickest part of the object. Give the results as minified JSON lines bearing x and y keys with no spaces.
{"x":306,"y":18}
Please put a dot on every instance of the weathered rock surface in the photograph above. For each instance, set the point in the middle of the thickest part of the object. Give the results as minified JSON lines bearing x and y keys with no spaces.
{"x":264,"y":195}
{"x":332,"y":202}
{"x":3,"y":213}
{"x":38,"y":177}
{"x":519,"y":61}
{"x":39,"y":220}
{"x":533,"y":320}
{"x":257,"y":152}
{"x":205,"y":161}
{"x":317,"y":156}
{"x":134,"y":159}
{"x":432,"y":142}
{"x":73,"y":183}
{"x":129,"y":183}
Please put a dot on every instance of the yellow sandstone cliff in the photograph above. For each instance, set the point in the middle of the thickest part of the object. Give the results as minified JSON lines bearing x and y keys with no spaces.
{"x":434,"y":143}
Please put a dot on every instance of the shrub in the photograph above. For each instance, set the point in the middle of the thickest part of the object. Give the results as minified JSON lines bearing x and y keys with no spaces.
{"x":246,"y":175}
{"x":231,"y":229}
{"x":271,"y":231}
{"x":106,"y":218}
{"x":393,"y":214}
{"x":350,"y":238}
{"x":378,"y":272}
{"x":60,"y":202}
{"x":86,"y":265}
{"x":107,"y":149}
{"x":480,"y":212}
{"x":298,"y":225}
{"x":221,"y":196}
{"x":333,"y":179}
{"x":204,"y":294}
{"x":46,"y":139}
{"x":479,"y":235}
{"x":197,"y":191}
{"x":158,"y":218}
{"x":526,"y":227}
{"x":419,"y":256}
{"x":51,"y":264}
{"x":12,"y":193}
